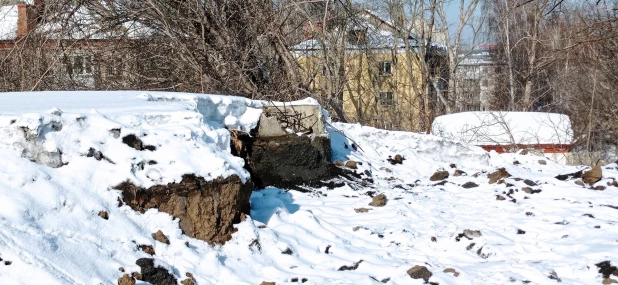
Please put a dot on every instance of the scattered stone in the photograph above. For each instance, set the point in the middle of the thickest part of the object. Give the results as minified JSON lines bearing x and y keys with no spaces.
{"x":451,"y":270}
{"x":516,"y":162}
{"x":147,"y":249}
{"x":469,"y":185}
{"x":339,"y":163}
{"x":500,"y":198}
{"x":351,"y":164}
{"x":609,"y":281}
{"x":268,"y":283}
{"x":357,"y":228}
{"x":529,"y":214}
{"x":155,"y":275}
{"x":133,"y":141}
{"x":573,"y":175}
{"x":349,"y":268}
{"x":398,"y":159}
{"x":136,"y":275}
{"x":441,"y":183}
{"x":599,"y":188}
{"x":520,"y":232}
{"x":470,"y":246}
{"x":287,"y":251}
{"x":439,"y":175}
{"x":523,"y":152}
{"x":327,"y":250}
{"x":470,"y":234}
{"x":103,"y":215}
{"x":378,"y":201}
{"x":420,"y":272}
{"x":362,"y":210}
{"x":580,"y":183}
{"x":388,"y":170}
{"x":121,"y":269}
{"x":452,"y":165}
{"x":553,"y":275}
{"x":434,"y":239}
{"x":593,"y":175}
{"x":7,"y":263}
{"x":126,"y":280}
{"x":530,"y":182}
{"x":497,"y":175}
{"x":542,"y":162}
{"x":459,"y":173}
{"x":160,"y":237}
{"x":188,"y":281}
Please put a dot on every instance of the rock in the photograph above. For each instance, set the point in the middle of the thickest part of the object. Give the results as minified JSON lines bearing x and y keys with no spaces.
{"x":563,"y":177}
{"x":136,"y":275}
{"x":339,"y":163}
{"x":350,"y":268}
{"x":452,"y":165}
{"x":155,"y":275}
{"x":188,"y":281}
{"x":609,"y":281}
{"x":133,"y":141}
{"x":527,"y":190}
{"x":147,"y":249}
{"x":469,"y":185}
{"x":103,"y":215}
{"x":420,"y":272}
{"x":523,"y":152}
{"x":351,"y":164}
{"x":606,"y":268}
{"x":388,"y":170}
{"x":121,"y":269}
{"x":126,"y":280}
{"x":160,"y":237}
{"x":398,"y":159}
{"x":580,"y":183}
{"x":530,"y":182}
{"x":542,"y":162}
{"x":500,"y":198}
{"x":434,"y":239}
{"x":207,"y":209}
{"x":459,"y":173}
{"x":451,"y":270}
{"x":439,"y":175}
{"x":470,"y":234}
{"x":516,"y":162}
{"x":497,"y":175}
{"x":362,"y":210}
{"x":599,"y":188}
{"x":593,"y":175}
{"x":378,"y":201}
{"x":268,"y":283}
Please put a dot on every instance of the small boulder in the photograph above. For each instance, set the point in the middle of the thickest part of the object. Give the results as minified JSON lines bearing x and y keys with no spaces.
{"x":593,"y":175}
{"x":188,"y":281}
{"x":268,"y":283}
{"x":126,"y":280}
{"x":451,"y":270}
{"x":500,"y":198}
{"x":378,"y":201}
{"x":470,"y":234}
{"x":607,"y":281}
{"x":420,"y":272}
{"x":339,"y":163}
{"x":498,"y":175}
{"x":459,"y":173}
{"x":398,"y":159}
{"x":439,"y":175}
{"x":147,"y":249}
{"x":160,"y":237}
{"x":103,"y":215}
{"x":469,"y":185}
{"x":351,"y":164}
{"x":580,"y":183}
{"x":527,"y":190}
{"x":599,"y":188}
{"x":542,"y":162}
{"x":362,"y":210}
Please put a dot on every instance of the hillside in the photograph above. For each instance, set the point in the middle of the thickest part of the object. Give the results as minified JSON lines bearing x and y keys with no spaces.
{"x":434,"y":217}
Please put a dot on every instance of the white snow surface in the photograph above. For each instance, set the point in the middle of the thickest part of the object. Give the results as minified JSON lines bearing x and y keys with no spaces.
{"x":504,"y":128}
{"x":8,"y":22}
{"x":51,"y":234}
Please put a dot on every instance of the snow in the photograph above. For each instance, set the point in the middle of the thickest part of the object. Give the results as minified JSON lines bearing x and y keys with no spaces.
{"x":504,"y":128}
{"x":50,"y":231}
{"x":8,"y":22}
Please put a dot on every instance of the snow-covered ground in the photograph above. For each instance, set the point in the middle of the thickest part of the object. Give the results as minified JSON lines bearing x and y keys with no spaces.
{"x":50,"y":231}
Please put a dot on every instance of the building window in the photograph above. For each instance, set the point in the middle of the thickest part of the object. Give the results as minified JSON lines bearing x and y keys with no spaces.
{"x":386,"y":98}
{"x":114,"y":69}
{"x":385,"y":68}
{"x":81,"y":65}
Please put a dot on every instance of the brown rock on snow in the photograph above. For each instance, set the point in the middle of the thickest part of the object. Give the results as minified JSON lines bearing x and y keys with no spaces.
{"x":398,"y":159}
{"x":147,"y":249}
{"x":188,"y":281}
{"x":351,"y":164}
{"x":268,"y":283}
{"x":339,"y":163}
{"x":599,"y":188}
{"x":420,"y":272}
{"x":361,"y":210}
{"x":160,"y":237}
{"x":378,"y":201}
{"x":593,"y":175}
{"x":580,"y":183}
{"x":542,"y":162}
{"x":103,"y":215}
{"x":500,"y":198}
{"x":439,"y":175}
{"x":607,"y":281}
{"x":497,"y":175}
{"x":459,"y":173}
{"x":451,"y":270}
{"x":126,"y":280}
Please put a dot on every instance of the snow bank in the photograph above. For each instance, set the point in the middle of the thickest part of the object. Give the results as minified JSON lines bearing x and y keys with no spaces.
{"x":504,"y":128}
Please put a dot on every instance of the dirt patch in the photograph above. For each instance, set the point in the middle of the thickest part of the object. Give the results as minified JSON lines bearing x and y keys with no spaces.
{"x":207,"y":209}
{"x":154,"y":275}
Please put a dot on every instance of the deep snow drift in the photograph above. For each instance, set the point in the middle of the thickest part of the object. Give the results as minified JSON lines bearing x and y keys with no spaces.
{"x":51,"y":233}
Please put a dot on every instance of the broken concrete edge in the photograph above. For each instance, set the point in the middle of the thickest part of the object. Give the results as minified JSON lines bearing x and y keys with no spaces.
{"x":278,"y":120}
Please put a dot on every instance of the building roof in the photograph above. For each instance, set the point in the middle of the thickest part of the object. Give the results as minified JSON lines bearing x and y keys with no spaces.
{"x":505,"y":128}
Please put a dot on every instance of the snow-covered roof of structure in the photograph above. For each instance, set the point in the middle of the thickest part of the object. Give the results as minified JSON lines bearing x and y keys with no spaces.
{"x":505,"y":128}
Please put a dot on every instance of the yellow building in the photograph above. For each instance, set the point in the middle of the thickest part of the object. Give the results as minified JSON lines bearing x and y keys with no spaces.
{"x":376,"y":74}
